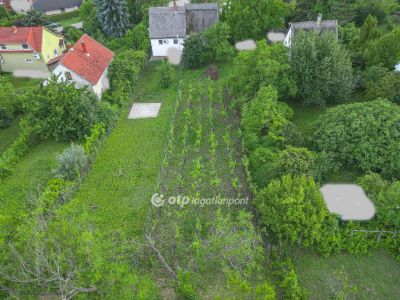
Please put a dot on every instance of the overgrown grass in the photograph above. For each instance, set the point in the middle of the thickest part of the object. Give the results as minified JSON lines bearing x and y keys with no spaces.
{"x":366,"y":277}
{"x":69,"y":22}
{"x":8,"y":135}
{"x":115,"y":195}
{"x":17,"y":190}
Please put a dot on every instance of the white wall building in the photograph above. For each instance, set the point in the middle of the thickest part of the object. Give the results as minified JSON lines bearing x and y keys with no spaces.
{"x":170,"y":26}
{"x":86,"y":64}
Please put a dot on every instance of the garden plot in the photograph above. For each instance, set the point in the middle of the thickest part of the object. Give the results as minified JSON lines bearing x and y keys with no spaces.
{"x":144,"y":110}
{"x":201,"y":175}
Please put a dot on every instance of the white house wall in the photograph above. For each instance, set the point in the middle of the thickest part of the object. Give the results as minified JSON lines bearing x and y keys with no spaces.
{"x":98,"y":88}
{"x":161,"y":50}
{"x":288,"y":39}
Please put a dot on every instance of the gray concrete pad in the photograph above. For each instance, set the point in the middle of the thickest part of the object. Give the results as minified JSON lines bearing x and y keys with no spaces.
{"x":349,"y":201}
{"x":144,"y":110}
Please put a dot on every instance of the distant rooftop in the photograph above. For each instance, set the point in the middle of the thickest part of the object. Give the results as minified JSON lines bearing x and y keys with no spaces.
{"x":168,"y":22}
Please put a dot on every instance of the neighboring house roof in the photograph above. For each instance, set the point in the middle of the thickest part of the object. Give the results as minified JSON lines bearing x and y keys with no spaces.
{"x":88,"y":58}
{"x":201,"y":16}
{"x":322,"y":26}
{"x":50,"y":5}
{"x":22,"y":35}
{"x":165,"y":22}
{"x":170,"y":22}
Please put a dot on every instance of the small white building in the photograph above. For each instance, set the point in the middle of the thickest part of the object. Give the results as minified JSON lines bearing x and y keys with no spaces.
{"x":318,"y":26}
{"x":170,"y":26}
{"x":397,"y":67}
{"x":86,"y":64}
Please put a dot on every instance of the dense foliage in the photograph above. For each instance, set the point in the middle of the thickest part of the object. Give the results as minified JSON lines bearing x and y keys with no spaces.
{"x":7,"y":101}
{"x":60,"y":111}
{"x":362,"y":135}
{"x":266,"y":65}
{"x":321,"y":68}
{"x":166,"y":73}
{"x":292,"y":208}
{"x":251,"y":19}
{"x":210,"y":46}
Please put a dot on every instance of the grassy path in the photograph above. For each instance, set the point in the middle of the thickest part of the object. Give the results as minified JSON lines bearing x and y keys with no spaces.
{"x":31,"y":171}
{"x":115,"y":195}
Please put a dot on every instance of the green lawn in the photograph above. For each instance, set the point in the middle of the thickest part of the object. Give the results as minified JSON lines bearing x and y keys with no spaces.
{"x":122,"y":179}
{"x":8,"y":135}
{"x":21,"y":82}
{"x":16,"y":191}
{"x":69,"y":22}
{"x":367,"y":277}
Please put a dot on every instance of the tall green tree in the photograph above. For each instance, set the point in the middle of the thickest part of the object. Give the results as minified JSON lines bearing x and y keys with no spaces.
{"x":6,"y":101}
{"x":113,"y":16}
{"x":251,"y":19}
{"x":321,"y":68}
{"x":266,"y":65}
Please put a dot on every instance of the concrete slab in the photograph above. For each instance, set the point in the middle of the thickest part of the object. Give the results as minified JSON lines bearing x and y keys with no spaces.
{"x":144,"y":110}
{"x":348,"y":201}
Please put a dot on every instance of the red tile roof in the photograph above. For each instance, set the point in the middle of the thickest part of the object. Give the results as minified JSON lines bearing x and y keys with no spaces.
{"x":22,"y":35}
{"x":88,"y":58}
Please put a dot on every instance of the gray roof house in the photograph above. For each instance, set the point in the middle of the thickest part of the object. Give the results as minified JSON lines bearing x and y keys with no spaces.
{"x":56,"y":6}
{"x":319,"y":26}
{"x":169,"y":26}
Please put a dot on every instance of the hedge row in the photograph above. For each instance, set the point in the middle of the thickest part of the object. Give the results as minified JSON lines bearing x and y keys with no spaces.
{"x":14,"y":153}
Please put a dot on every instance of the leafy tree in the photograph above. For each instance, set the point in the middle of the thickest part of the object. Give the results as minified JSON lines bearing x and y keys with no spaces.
{"x":362,"y":135}
{"x":34,"y":18}
{"x":251,"y":19}
{"x":266,"y":65}
{"x":88,"y":14}
{"x":217,"y":41}
{"x":113,"y":17}
{"x":386,"y":198}
{"x":295,"y":161}
{"x":379,"y":9}
{"x":368,"y":32}
{"x":72,"y":34}
{"x":385,"y":50}
{"x":210,"y":46}
{"x":292,"y":208}
{"x":387,"y":86}
{"x":321,"y":68}
{"x":62,"y":112}
{"x":136,"y":39}
{"x":264,"y":119}
{"x":126,"y":66}
{"x":167,"y":73}
{"x":371,"y":75}
{"x":7,"y":99}
{"x":195,"y":52}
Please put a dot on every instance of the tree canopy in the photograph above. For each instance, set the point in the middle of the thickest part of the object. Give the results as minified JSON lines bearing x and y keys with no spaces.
{"x":321,"y":68}
{"x":362,"y":135}
{"x":251,"y":19}
{"x":113,"y":17}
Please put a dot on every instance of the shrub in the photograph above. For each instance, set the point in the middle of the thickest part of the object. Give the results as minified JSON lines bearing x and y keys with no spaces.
{"x":195,"y":52}
{"x":90,"y":141}
{"x":71,"y":163}
{"x":362,"y":135}
{"x":166,"y":74}
{"x":386,"y":86}
{"x":126,"y":66}
{"x":292,"y":208}
{"x":295,"y":161}
{"x":7,"y":100}
{"x":11,"y":156}
{"x":72,"y":34}
{"x":62,"y":112}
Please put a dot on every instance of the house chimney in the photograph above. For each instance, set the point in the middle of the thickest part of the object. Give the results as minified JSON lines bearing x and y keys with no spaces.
{"x":319,"y":19}
{"x":84,"y":48}
{"x":14,"y":29}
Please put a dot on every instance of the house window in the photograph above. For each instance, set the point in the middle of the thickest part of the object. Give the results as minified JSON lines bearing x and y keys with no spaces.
{"x":55,"y":52}
{"x":25,"y":46}
{"x":176,"y":41}
{"x":166,"y":41}
{"x":3,"y":47}
{"x":1,"y":61}
{"x":28,"y":60}
{"x":36,"y":56}
{"x":160,"y":42}
{"x":68,"y":75}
